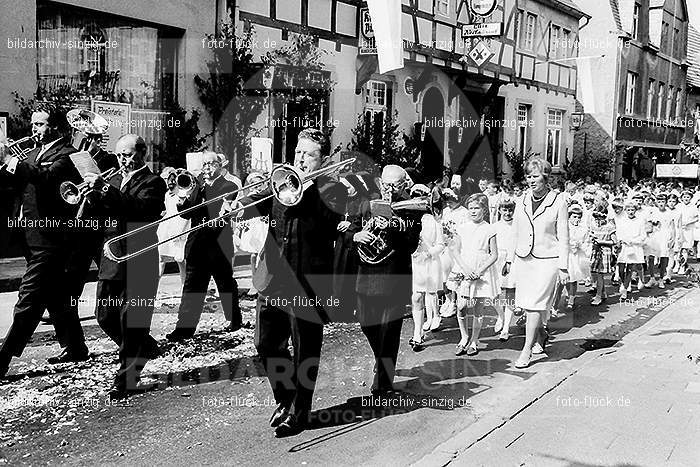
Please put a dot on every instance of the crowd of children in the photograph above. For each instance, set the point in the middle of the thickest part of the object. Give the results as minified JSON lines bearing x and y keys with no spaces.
{"x":618,"y":236}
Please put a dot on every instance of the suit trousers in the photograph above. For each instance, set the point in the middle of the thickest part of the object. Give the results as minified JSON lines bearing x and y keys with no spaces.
{"x":381,"y":317}
{"x":293,"y":379}
{"x":199,"y":269}
{"x":124,"y":312}
{"x":42,"y":288}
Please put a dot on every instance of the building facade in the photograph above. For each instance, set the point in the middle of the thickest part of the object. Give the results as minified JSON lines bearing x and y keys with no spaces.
{"x":633,"y":86}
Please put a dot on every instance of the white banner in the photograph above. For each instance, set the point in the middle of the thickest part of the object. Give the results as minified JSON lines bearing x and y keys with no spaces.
{"x":261,"y":155}
{"x":386,"y":23}
{"x":677,"y":170}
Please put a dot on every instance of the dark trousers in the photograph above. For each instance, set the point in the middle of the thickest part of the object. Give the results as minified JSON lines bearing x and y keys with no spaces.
{"x":293,"y":379}
{"x":43,"y":288}
{"x":381,"y":318}
{"x":199,"y":269}
{"x":124,"y":312}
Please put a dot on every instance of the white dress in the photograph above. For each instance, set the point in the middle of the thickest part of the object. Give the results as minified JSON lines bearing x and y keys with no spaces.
{"x":504,"y":238}
{"x":451,"y":218}
{"x":688,"y":219}
{"x":175,"y":248}
{"x":632,"y":231}
{"x":579,"y":263}
{"x":475,"y":253}
{"x":427,"y":267}
{"x":253,"y":233}
{"x":665,"y":233}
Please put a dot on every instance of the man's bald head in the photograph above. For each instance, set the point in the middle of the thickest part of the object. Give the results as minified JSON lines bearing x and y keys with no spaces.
{"x":393,"y":174}
{"x":131,"y":151}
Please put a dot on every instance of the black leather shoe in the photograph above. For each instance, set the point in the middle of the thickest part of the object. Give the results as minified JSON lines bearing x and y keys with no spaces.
{"x":179,"y":335}
{"x":278,"y":415}
{"x":290,"y":426}
{"x":151,"y":349}
{"x":68,"y":357}
{"x":232,"y":327}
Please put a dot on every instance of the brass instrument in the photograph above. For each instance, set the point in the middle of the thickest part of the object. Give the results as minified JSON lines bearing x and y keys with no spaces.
{"x":17,"y":147}
{"x":185,"y":183}
{"x":379,"y":249}
{"x":75,"y":194}
{"x":88,"y":128}
{"x":286,"y":184}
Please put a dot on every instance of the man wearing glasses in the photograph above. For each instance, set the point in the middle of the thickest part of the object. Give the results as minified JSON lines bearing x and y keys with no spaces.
{"x":126,"y":291}
{"x":384,"y":289}
{"x":208,"y":252}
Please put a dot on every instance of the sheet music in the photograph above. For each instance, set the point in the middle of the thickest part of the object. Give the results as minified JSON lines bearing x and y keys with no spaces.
{"x":84,"y":163}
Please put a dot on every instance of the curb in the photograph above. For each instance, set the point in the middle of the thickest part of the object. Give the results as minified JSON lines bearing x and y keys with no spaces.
{"x":449,"y":450}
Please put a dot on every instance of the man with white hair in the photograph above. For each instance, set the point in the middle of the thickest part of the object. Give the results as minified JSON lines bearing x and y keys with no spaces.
{"x":384,"y":289}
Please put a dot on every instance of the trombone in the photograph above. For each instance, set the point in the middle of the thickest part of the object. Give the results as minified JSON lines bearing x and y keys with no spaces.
{"x":286,"y":183}
{"x":75,"y":194}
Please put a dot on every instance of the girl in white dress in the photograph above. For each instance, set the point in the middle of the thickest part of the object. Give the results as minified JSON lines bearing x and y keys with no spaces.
{"x":427,"y":276}
{"x":632,"y":234}
{"x":504,"y":238}
{"x":173,"y":250}
{"x":475,"y":251}
{"x":674,"y":259}
{"x":688,"y":219}
{"x":664,"y":237}
{"x":453,"y":215}
{"x":579,"y":264}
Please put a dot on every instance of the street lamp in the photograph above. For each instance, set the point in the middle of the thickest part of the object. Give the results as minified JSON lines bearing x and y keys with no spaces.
{"x":653,"y":159}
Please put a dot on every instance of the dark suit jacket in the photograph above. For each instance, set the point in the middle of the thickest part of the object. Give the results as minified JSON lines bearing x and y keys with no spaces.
{"x":40,"y":181}
{"x":221,"y":234}
{"x":393,"y":276}
{"x":140,"y":202}
{"x":297,"y":259}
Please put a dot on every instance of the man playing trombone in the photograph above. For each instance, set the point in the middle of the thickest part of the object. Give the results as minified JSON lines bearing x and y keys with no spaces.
{"x":126,"y":291}
{"x":293,"y":277}
{"x":39,"y":173}
{"x":208,"y":251}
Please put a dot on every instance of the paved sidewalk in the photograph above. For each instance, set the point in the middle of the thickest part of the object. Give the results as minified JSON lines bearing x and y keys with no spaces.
{"x":635,"y":404}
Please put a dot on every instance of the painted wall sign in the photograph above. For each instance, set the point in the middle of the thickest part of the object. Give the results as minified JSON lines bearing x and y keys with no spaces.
{"x":482,"y":30}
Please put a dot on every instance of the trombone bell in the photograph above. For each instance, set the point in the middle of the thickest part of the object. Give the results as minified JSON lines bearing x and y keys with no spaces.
{"x":70,"y":193}
{"x":286,"y":183}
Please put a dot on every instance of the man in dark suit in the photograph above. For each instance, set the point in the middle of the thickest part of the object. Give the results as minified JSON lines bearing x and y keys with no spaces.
{"x":126,"y":291}
{"x":294,"y":279}
{"x":208,"y":252}
{"x":384,"y":289}
{"x":44,"y":216}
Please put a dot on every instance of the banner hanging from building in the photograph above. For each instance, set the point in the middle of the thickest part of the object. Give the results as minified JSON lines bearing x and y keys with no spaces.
{"x":677,"y":170}
{"x":386,"y":26}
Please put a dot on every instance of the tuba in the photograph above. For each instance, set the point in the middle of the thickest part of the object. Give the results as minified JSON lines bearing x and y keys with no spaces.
{"x":88,"y":128}
{"x":380,"y":248}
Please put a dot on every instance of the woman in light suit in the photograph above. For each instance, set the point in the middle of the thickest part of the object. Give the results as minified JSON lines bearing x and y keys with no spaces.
{"x":539,"y":254}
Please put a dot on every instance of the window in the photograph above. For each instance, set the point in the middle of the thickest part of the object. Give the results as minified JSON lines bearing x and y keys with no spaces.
{"x":650,"y":99}
{"x":679,"y":104}
{"x":442,"y":7}
{"x":630,"y":94}
{"x":523,"y":128}
{"x":377,"y":95}
{"x":567,"y":46}
{"x":660,"y":101}
{"x":94,"y":51}
{"x":676,"y":42}
{"x":555,"y":120}
{"x":529,"y":36}
{"x":669,"y":103}
{"x":554,"y":41}
{"x":635,"y":21}
{"x":664,"y":36}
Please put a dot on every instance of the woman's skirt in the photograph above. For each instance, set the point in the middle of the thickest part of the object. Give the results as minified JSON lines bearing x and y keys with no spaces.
{"x":535,"y":282}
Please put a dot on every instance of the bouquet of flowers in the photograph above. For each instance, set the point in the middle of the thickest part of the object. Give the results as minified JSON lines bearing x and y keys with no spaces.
{"x":449,"y":229}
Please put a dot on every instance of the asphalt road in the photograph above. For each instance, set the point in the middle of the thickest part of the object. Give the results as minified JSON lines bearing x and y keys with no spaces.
{"x":225,"y":421}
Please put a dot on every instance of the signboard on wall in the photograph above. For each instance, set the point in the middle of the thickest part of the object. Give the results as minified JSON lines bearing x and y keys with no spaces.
{"x":482,"y":30}
{"x":367,"y":45}
{"x":483,"y":7}
{"x":118,"y":115}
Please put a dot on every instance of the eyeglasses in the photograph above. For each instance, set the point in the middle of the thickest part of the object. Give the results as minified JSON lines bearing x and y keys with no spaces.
{"x":394,"y":186}
{"x":211,"y":164}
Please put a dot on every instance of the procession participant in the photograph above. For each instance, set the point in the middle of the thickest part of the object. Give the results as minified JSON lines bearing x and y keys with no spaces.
{"x":603,"y":237}
{"x":540,"y":254}
{"x":427,"y":271}
{"x":475,"y":252}
{"x":383,"y":288}
{"x":688,"y":218}
{"x":505,"y":308}
{"x":173,"y":250}
{"x":674,"y":260}
{"x":632,"y":233}
{"x":453,"y":215}
{"x":579,"y":265}
{"x":346,"y":259}
{"x":45,"y":213}
{"x":293,"y":277}
{"x":208,"y":252}
{"x":251,"y":234}
{"x":126,"y":291}
{"x":665,"y":237}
